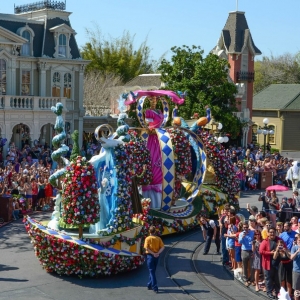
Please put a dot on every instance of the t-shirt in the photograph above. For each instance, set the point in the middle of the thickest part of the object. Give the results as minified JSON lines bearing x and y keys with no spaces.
{"x":288,"y":238}
{"x":154,"y":243}
{"x":296,"y":261}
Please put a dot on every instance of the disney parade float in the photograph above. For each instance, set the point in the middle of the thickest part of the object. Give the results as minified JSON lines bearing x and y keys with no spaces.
{"x":142,"y":176}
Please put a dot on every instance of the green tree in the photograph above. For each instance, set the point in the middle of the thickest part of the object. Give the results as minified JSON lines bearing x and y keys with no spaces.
{"x":282,"y":69}
{"x":117,"y":55}
{"x":206,"y":83}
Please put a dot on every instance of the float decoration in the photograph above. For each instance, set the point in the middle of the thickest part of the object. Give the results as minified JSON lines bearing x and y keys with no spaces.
{"x":167,"y":165}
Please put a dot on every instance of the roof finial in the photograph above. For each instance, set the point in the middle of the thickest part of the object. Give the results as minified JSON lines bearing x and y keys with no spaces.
{"x":237,"y":5}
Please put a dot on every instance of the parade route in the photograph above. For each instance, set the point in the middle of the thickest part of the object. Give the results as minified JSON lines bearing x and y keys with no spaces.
{"x":22,"y":277}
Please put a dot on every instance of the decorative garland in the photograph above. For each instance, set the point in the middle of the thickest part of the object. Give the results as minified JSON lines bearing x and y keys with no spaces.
{"x":80,"y":201}
{"x":68,"y":258}
{"x":226,"y":179}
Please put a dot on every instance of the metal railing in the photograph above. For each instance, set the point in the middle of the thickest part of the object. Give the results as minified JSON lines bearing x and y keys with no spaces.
{"x":49,"y":4}
{"x":244,"y":76}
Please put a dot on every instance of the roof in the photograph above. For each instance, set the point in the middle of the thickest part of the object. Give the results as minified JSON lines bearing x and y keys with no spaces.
{"x":145,"y":80}
{"x":278,"y":96}
{"x":17,"y":22}
{"x":236,"y":34}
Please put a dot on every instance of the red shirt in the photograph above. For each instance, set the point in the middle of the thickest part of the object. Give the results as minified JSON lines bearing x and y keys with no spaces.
{"x":236,"y":242}
{"x":264,"y":250}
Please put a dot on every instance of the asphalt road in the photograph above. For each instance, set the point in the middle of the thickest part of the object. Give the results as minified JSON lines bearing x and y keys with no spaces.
{"x":22,"y":277}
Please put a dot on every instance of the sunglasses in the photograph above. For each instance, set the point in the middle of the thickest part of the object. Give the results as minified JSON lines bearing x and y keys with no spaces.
{"x":245,"y":227}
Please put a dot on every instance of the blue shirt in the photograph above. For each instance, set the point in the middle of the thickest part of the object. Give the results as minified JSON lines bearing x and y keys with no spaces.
{"x":288,"y":238}
{"x":246,"y":242}
{"x":296,"y":261}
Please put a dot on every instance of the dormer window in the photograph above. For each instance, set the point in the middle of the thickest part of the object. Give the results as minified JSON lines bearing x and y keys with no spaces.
{"x":28,"y":34}
{"x":62,"y":35}
{"x":62,"y":46}
{"x":26,"y":46}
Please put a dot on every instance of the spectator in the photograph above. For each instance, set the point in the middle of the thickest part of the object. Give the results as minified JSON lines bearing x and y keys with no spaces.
{"x":296,"y":268}
{"x":256,"y":263}
{"x":16,"y":209}
{"x":231,"y":235}
{"x":282,"y":258}
{"x":288,"y":235}
{"x":267,"y":250}
{"x":245,"y":239}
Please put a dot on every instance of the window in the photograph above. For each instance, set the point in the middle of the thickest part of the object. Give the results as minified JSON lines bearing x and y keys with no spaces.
{"x":26,"y":47}
{"x":271,"y":137}
{"x":56,"y":85}
{"x":26,"y":83}
{"x":62,"y":46}
{"x":67,"y":85}
{"x":254,"y":133}
{"x":2,"y":77}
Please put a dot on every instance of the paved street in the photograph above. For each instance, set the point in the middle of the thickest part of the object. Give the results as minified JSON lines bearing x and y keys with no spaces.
{"x":23,"y":277}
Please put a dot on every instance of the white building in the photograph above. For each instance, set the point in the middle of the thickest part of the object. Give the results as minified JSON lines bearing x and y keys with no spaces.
{"x":40,"y":65}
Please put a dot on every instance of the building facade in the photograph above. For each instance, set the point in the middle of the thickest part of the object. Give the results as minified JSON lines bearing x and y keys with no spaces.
{"x":280,"y":103}
{"x":40,"y":65}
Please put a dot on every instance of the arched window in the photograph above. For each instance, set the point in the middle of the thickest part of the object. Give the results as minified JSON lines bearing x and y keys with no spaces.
{"x":62,"y":45}
{"x":271,"y":137}
{"x":2,"y":77}
{"x":27,"y":46}
{"x":67,"y":85}
{"x":56,"y":85}
{"x":254,"y":133}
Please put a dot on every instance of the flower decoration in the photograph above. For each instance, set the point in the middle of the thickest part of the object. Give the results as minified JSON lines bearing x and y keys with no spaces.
{"x":132,"y":158}
{"x":80,"y":195}
{"x":226,"y":179}
{"x":65,"y":257}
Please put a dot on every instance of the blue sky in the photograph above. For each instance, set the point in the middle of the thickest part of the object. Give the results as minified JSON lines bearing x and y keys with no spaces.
{"x":274,"y":24}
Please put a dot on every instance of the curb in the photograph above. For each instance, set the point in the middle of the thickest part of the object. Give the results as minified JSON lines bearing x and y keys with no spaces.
{"x":262,"y":295}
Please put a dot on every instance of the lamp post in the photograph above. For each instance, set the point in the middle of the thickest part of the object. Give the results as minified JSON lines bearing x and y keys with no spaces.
{"x":216,"y":127}
{"x":265,"y":130}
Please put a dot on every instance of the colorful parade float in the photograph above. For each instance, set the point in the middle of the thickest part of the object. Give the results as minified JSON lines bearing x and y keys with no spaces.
{"x":155,"y":174}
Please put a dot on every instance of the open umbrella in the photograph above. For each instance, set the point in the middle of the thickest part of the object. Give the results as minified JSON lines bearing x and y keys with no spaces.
{"x":277,"y":188}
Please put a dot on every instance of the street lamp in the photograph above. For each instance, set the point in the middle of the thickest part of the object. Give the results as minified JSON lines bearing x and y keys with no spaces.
{"x":216,"y":127}
{"x":265,"y":131}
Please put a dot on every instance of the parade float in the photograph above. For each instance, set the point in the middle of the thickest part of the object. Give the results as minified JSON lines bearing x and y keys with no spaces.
{"x":153,"y":174}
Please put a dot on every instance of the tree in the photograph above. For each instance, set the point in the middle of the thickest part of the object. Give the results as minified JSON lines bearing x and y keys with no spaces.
{"x":116,"y":56}
{"x":206,"y":83}
{"x":281,"y":69}
{"x":100,"y":90}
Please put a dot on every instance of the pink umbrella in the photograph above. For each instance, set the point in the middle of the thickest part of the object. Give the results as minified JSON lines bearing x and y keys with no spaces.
{"x":277,"y":188}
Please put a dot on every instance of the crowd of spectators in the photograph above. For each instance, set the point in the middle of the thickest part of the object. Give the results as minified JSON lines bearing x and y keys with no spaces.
{"x":266,"y":248}
{"x":250,"y":161}
{"x":24,"y":174}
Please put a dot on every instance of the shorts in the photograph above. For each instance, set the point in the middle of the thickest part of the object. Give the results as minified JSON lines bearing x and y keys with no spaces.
{"x":28,"y":196}
{"x":272,"y":212}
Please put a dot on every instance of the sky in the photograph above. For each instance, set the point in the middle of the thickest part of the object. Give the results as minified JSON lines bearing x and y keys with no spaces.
{"x":274,"y":24}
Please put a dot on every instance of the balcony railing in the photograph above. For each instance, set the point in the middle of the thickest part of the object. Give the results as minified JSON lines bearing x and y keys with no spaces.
{"x":8,"y":102}
{"x":244,"y":76}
